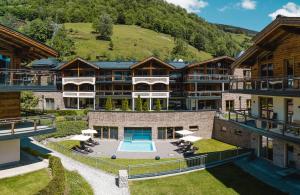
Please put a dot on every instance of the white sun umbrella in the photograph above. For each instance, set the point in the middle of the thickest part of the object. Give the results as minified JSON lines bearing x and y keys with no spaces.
{"x":184,"y":132}
{"x":191,"y":138}
{"x":90,"y":132}
{"x":82,"y":138}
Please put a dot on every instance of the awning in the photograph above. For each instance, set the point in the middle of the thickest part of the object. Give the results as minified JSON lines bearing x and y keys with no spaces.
{"x":184,"y":132}
{"x":89,"y":131}
{"x":81,"y":138}
{"x":191,"y":138}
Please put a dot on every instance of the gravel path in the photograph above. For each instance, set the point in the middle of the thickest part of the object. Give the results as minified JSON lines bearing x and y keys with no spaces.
{"x":101,"y":182}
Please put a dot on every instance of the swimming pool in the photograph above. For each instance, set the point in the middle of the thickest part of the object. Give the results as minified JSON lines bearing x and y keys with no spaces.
{"x":137,"y":146}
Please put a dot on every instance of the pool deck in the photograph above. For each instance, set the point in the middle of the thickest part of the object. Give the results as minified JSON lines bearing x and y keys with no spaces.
{"x":164,"y":149}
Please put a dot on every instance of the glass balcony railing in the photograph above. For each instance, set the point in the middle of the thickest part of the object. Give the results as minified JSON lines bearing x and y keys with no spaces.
{"x":26,"y":126}
{"x":17,"y":80}
{"x":265,"y":84}
{"x":208,"y":77}
{"x":291,"y":131}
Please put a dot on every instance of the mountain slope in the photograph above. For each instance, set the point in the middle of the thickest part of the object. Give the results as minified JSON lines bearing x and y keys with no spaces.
{"x":157,"y":15}
{"x":129,"y":42}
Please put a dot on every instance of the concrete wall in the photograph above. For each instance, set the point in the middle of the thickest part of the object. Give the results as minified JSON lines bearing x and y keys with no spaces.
{"x":204,"y":120}
{"x":231,"y":133}
{"x":57,"y":96}
{"x":9,"y":151}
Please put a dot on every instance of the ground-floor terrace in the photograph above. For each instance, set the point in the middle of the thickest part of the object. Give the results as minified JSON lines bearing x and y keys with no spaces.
{"x":208,"y":100}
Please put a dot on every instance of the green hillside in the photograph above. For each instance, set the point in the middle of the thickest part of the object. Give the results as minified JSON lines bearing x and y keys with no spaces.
{"x":130,"y":43}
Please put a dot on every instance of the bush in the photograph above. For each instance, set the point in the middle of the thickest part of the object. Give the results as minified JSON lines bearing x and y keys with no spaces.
{"x":146,"y":106}
{"x":35,"y":153}
{"x":125,"y":106}
{"x":139,"y":104}
{"x":108,"y":104}
{"x":58,"y":183}
{"x":157,"y":105}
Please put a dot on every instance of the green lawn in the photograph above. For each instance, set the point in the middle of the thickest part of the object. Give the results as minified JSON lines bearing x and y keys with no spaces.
{"x":127,"y":41}
{"x":226,"y":179}
{"x":27,"y":184}
{"x":113,"y":166}
{"x":76,"y":185}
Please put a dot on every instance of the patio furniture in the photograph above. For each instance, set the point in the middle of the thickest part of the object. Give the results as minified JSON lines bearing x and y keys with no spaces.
{"x":77,"y":149}
{"x":89,"y":144}
{"x":184,"y":132}
{"x":93,"y":141}
{"x":89,"y":132}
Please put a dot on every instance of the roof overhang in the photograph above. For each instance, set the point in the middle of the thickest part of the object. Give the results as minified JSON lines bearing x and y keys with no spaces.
{"x":214,"y":60}
{"x":12,"y":41}
{"x":77,"y":60}
{"x":267,"y":40}
{"x":154,"y":59}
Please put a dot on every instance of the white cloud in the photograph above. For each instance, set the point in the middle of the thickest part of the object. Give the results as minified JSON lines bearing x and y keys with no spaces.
{"x":190,"y":5}
{"x":248,"y":4}
{"x":290,"y":9}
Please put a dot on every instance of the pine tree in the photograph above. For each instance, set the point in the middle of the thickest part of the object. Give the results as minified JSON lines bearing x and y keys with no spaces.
{"x":125,"y":106}
{"x":108,"y":104}
{"x":146,"y":106}
{"x":139,"y":104}
{"x":157,"y":105}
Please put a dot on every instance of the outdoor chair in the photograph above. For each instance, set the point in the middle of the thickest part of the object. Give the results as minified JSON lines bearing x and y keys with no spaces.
{"x":77,"y":149}
{"x":89,"y":144}
{"x":93,"y":141}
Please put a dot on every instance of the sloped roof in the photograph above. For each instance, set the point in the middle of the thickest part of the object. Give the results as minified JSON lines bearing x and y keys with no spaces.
{"x":266,"y":40}
{"x":212,"y":61}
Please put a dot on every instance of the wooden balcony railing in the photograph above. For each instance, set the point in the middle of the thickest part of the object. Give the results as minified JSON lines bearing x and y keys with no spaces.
{"x":26,"y":79}
{"x":265,"y":84}
{"x":20,"y":125}
{"x":275,"y":127}
{"x":204,"y":93}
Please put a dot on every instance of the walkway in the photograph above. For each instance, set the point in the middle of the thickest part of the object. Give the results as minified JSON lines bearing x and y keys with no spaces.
{"x":27,"y":164}
{"x":101,"y":182}
{"x":267,"y":173}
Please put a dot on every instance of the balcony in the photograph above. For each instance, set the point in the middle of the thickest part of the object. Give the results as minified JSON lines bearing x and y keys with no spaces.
{"x":13,"y":128}
{"x":116,"y":79}
{"x":18,"y":80}
{"x":75,"y":94}
{"x":267,"y":86}
{"x":208,"y":78}
{"x":78,"y":80}
{"x":151,"y":80}
{"x":267,"y":127}
{"x":151,"y":94}
{"x":114,"y":93}
{"x":205,"y":95}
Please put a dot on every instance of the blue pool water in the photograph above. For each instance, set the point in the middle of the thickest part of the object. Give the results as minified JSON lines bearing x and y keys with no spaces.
{"x":137,"y":146}
{"x":137,"y":134}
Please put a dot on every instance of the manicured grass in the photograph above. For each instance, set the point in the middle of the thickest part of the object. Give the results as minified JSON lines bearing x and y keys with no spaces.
{"x":113,"y":166}
{"x":127,"y":41}
{"x":212,"y":145}
{"x":27,"y":184}
{"x":65,"y":128}
{"x":226,"y":179}
{"x":76,"y":185}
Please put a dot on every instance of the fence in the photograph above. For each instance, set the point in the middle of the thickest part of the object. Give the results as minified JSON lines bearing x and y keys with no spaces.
{"x":184,"y":164}
{"x":158,"y":168}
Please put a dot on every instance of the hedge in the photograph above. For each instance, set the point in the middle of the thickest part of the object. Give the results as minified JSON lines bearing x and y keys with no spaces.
{"x":57,"y":185}
{"x":35,"y":153}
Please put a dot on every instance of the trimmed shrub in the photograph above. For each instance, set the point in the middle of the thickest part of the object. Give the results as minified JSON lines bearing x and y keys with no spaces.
{"x":157,"y":105}
{"x":139,"y":104}
{"x":125,"y":106}
{"x":146,"y":106}
{"x":58,"y":183}
{"x":108,"y":104}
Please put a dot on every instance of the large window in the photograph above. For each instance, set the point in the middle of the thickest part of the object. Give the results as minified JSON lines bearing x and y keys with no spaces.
{"x":229,"y":105}
{"x":266,"y":70}
{"x":266,"y":108}
{"x":106,"y":132}
{"x":168,"y":132}
{"x":266,"y":147}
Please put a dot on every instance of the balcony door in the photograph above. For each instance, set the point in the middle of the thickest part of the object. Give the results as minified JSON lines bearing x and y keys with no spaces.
{"x":266,"y":148}
{"x":289,"y":111}
{"x":266,"y":112}
{"x":288,"y":72}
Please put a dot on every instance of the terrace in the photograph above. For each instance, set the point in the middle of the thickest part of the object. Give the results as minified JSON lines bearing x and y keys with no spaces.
{"x":211,"y":78}
{"x":283,"y":86}
{"x":12,"y":128}
{"x":17,"y":80}
{"x":271,"y":128}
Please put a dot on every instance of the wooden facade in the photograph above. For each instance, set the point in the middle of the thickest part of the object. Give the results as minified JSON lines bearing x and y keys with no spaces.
{"x":9,"y":105}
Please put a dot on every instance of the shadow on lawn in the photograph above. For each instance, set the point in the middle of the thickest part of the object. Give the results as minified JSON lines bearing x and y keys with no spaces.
{"x":241,"y":182}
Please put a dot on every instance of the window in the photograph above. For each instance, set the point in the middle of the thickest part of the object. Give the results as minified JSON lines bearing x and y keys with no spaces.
{"x":168,"y":132}
{"x":288,"y":67}
{"x":266,"y":70}
{"x":194,"y":128}
{"x":266,"y":108}
{"x":237,"y":132}
{"x":229,"y":105}
{"x":223,"y":129}
{"x":248,"y":104}
{"x":49,"y":103}
{"x":247,"y":73}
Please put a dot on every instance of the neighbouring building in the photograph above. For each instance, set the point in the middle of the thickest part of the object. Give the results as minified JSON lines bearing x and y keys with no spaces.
{"x":17,"y":49}
{"x":83,"y":84}
{"x":272,"y":126}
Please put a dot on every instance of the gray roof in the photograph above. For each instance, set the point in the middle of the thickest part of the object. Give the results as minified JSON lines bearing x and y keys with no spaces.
{"x":52,"y":62}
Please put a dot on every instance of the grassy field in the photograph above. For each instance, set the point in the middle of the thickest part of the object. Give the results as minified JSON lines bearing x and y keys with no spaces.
{"x":27,"y":184}
{"x":226,"y":179}
{"x":131,"y":42}
{"x":112,"y":166}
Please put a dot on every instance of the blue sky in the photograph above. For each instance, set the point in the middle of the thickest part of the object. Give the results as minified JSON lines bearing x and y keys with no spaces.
{"x":251,"y":14}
